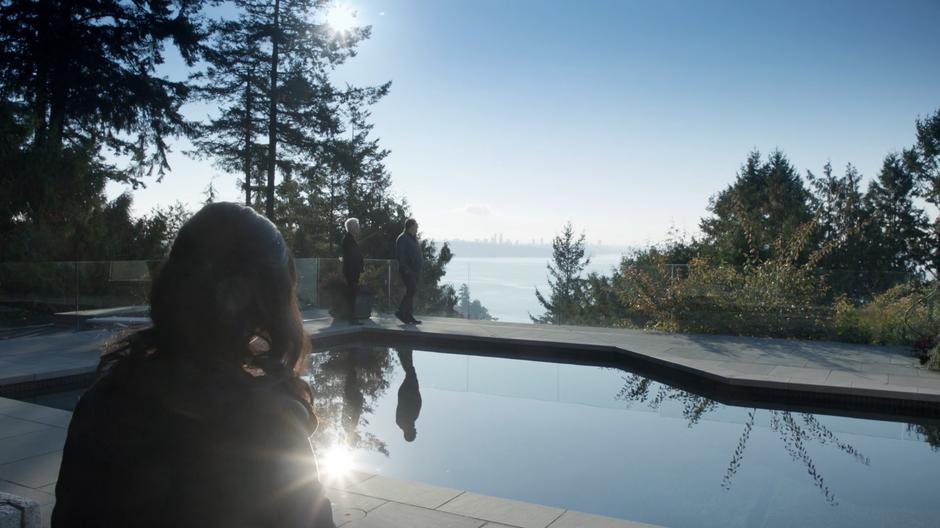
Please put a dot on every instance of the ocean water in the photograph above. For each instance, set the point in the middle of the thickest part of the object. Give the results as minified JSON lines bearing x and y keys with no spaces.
{"x":506,"y":285}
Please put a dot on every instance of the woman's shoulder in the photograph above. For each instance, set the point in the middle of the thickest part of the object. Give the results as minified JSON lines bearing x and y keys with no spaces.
{"x":275,"y":402}
{"x":227,"y":399}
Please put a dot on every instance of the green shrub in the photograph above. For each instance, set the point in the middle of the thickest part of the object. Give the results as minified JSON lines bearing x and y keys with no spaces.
{"x":769,"y":299}
{"x":933,"y":358}
{"x":898,"y":316}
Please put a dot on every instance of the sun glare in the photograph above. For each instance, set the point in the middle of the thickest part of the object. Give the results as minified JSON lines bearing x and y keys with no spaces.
{"x":341,"y":18}
{"x":336,"y":462}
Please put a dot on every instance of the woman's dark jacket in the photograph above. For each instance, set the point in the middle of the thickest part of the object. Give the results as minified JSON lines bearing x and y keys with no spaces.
{"x":159,"y":444}
{"x":353,"y":263}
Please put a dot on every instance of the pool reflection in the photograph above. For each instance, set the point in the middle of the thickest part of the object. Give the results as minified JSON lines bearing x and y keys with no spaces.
{"x":409,"y":396}
{"x":647,"y":441}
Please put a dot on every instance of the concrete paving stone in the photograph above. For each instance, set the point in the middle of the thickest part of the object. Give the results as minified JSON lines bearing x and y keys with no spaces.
{"x":41,"y":496}
{"x":704,"y":365}
{"x":37,"y":413}
{"x":778,"y":360}
{"x":17,"y":375}
{"x":914,"y":381}
{"x":756,"y":380}
{"x":10,"y":426}
{"x":46,"y":513}
{"x":692,"y":353}
{"x":736,"y":367}
{"x":573,"y":519}
{"x":34,"y":472}
{"x":344,"y":516}
{"x":820,"y":386}
{"x":841,"y":378}
{"x":407,"y":492}
{"x":395,"y":515}
{"x":929,"y":394}
{"x":345,"y":499}
{"x":901,"y":360}
{"x":800,"y":373}
{"x":897,"y":370}
{"x":507,"y":511}
{"x":884,"y":391}
{"x":837,"y":363}
{"x":50,"y":489}
{"x":66,"y":371}
{"x":31,"y":444}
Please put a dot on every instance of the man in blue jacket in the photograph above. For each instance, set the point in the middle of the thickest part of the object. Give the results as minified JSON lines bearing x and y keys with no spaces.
{"x":408,"y":253}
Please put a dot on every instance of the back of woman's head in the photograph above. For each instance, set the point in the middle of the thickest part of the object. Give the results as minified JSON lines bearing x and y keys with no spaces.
{"x":229,"y":280}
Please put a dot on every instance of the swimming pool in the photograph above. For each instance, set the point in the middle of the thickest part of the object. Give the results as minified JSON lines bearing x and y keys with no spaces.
{"x":606,"y":441}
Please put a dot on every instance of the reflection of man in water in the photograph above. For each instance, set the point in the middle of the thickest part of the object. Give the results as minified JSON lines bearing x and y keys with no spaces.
{"x":409,"y":397}
{"x":353,"y":401}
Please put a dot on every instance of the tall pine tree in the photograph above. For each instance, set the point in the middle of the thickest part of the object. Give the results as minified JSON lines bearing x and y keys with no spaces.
{"x":898,"y":235}
{"x":842,"y":216}
{"x":565,"y":303}
{"x":924,"y":161}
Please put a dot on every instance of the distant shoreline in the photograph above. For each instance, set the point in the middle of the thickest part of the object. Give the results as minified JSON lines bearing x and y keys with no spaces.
{"x":472,"y":249}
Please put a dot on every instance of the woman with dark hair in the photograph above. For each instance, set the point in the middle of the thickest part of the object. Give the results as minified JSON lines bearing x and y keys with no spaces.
{"x":202,"y":419}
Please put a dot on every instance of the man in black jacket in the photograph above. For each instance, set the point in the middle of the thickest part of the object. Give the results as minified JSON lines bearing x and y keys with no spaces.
{"x":353,"y":264}
{"x":408,"y":253}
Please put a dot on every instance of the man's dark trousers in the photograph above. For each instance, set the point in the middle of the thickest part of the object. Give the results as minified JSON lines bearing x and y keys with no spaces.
{"x":407,"y":307}
{"x":352,"y":291}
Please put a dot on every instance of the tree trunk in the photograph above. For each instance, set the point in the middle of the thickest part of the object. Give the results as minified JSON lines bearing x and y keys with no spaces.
{"x":272,"y":112}
{"x":249,"y":109}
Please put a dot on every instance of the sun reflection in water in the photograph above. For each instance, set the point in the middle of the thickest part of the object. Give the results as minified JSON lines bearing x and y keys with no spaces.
{"x":336,"y":463}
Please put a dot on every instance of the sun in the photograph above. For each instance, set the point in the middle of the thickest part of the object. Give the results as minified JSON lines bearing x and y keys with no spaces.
{"x":341,"y":18}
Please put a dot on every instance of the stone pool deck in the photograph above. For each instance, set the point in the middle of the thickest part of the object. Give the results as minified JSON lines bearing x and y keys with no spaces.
{"x":32,"y":437}
{"x":731,"y":369}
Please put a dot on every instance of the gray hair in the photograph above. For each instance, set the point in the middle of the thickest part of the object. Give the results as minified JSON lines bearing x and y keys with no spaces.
{"x":351,"y":222}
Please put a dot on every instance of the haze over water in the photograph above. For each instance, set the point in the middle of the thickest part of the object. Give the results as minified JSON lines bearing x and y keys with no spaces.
{"x":506,"y":285}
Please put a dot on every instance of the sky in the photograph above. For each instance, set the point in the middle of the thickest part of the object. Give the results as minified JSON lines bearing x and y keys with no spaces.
{"x":623,"y":117}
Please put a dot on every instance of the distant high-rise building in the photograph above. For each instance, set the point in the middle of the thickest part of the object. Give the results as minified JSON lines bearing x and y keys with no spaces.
{"x":500,"y":238}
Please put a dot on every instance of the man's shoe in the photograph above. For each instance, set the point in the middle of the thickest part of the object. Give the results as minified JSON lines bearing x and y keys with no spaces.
{"x":355,"y":322}
{"x":415,"y":322}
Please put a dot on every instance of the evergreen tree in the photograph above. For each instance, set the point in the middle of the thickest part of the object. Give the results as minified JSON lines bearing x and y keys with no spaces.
{"x":469,"y":308}
{"x":235,"y":81}
{"x":567,"y":297}
{"x":924,"y":161}
{"x":842,"y":215}
{"x":271,"y":68}
{"x":84,"y":71}
{"x":767,"y":201}
{"x":898,"y":235}
{"x":463,"y":303}
{"x":433,"y":297}
{"x":78,"y":80}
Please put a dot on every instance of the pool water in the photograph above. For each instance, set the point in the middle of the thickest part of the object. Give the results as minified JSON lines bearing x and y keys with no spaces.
{"x":609,"y":442}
